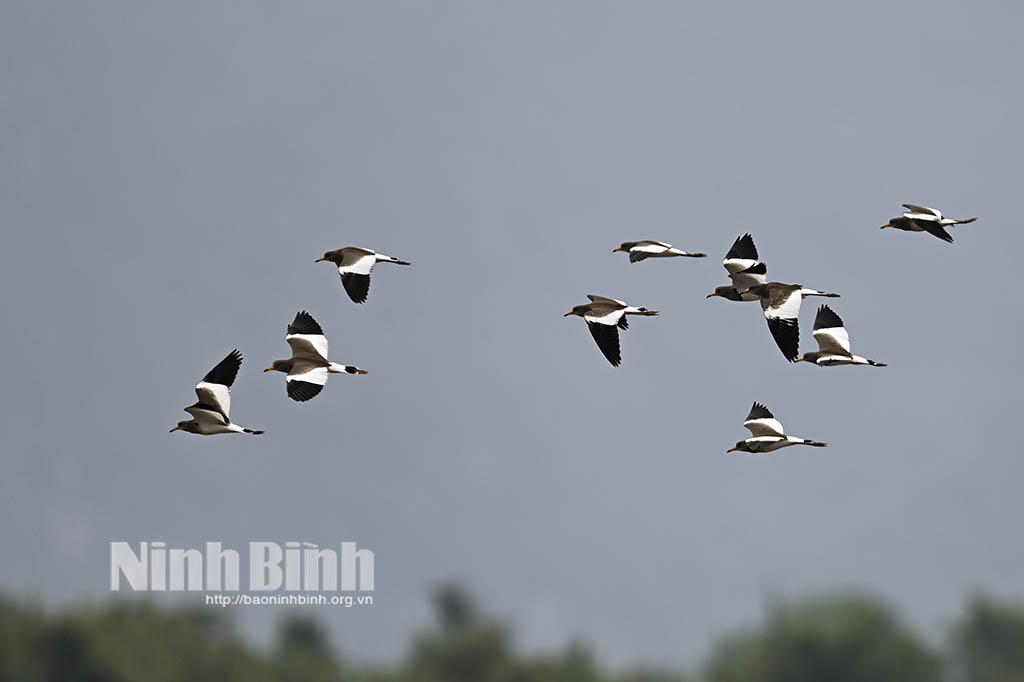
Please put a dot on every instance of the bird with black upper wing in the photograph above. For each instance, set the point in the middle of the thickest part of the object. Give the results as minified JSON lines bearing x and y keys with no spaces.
{"x":744,"y":269}
{"x":308,"y":367}
{"x":211,"y":412}
{"x":781,"y":306}
{"x":767,"y":434}
{"x":605,"y":317}
{"x":833,"y":343}
{"x":354,"y":265}
{"x":648,"y":248}
{"x":924,"y":219}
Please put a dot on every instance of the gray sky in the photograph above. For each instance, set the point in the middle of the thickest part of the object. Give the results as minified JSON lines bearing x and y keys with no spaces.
{"x":170,"y":173}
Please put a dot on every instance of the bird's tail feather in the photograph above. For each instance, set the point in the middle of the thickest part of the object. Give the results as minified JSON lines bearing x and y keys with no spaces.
{"x":335,"y":368}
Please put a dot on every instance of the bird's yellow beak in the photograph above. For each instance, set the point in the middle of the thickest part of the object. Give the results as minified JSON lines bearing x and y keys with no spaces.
{"x":567,"y":314}
{"x":617,"y":248}
{"x":361,"y":371}
{"x":732,"y":449}
{"x":319,"y":259}
{"x":269,"y":368}
{"x":713,"y":293}
{"x":885,"y":226}
{"x":176,"y":428}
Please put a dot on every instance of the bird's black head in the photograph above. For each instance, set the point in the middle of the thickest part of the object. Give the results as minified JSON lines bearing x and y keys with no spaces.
{"x":333,"y":256}
{"x":577,"y":310}
{"x":726,"y":292}
{"x":740,"y":446}
{"x":190,"y":425}
{"x":280,"y":366}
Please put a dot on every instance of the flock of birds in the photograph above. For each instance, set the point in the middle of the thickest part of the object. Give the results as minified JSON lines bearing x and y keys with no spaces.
{"x":308,"y":367}
{"x":306,"y":370}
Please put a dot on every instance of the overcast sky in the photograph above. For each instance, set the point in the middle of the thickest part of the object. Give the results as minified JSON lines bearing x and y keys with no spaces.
{"x":169,"y":174}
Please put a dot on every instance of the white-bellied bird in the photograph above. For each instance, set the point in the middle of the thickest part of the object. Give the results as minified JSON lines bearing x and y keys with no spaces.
{"x":308,"y":367}
{"x":744,"y":269}
{"x":211,"y":414}
{"x":648,"y":248}
{"x":354,"y":266}
{"x":605,"y":317}
{"x":923,"y":219}
{"x":833,"y":343}
{"x":766,"y":433}
{"x":781,"y":305}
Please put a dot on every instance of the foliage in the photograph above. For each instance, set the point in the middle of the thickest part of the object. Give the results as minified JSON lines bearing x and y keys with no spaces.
{"x":838,"y":638}
{"x":988,"y":644}
{"x":841,"y":639}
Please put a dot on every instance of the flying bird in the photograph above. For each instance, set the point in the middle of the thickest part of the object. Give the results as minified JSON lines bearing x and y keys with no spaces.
{"x":766,"y":434}
{"x":308,"y":366}
{"x":924,"y":219}
{"x":211,"y":413}
{"x":781,"y":306}
{"x":646,"y":248}
{"x":605,"y":317}
{"x":354,"y":265}
{"x":744,"y":269}
{"x":833,"y":343}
